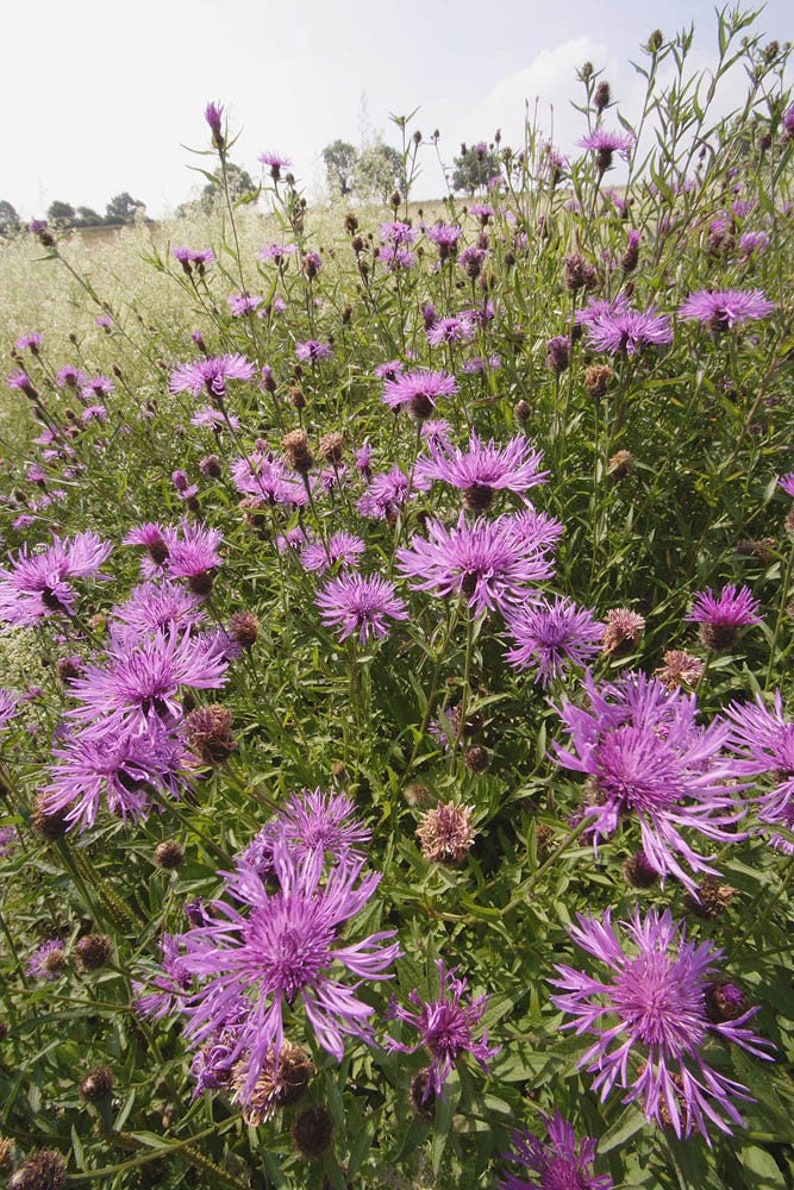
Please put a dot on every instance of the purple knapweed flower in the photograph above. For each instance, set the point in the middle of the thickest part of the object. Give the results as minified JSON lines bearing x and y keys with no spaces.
{"x":241,"y":304}
{"x":724,"y":309}
{"x":605,"y":143}
{"x":753,"y":243}
{"x":419,"y":391}
{"x":8,"y":706}
{"x":277,"y":253}
{"x":266,"y":480}
{"x":123,"y":768}
{"x":455,"y":329}
{"x":397,"y":232}
{"x":560,"y":1164}
{"x":311,"y":824}
{"x":49,"y":961}
{"x":446,"y":1028}
{"x":626,"y":331}
{"x":8,"y":841}
{"x":482,"y":468}
{"x":654,"y":1005}
{"x":385,"y":495}
{"x":312,"y":351}
{"x":213,"y":114}
{"x":763,"y":743}
{"x":487,"y":562}
{"x":70,"y":377}
{"x":280,"y":949}
{"x":445,"y":236}
{"x":139,"y":682}
{"x":721,"y":617}
{"x":354,"y":603}
{"x":275,"y":162}
{"x":551,"y":636}
{"x":36,"y":585}
{"x":157,"y":605}
{"x":342,"y":547}
{"x":211,"y":375}
{"x":786,"y":482}
{"x":31,"y":342}
{"x":644,"y":753}
{"x":395,"y":257}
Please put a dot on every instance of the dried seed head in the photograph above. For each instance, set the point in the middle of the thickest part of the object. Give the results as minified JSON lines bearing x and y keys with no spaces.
{"x":48,"y":826}
{"x":244,"y":629}
{"x":45,"y":1170}
{"x":93,"y":951}
{"x":446,"y":834}
{"x":714,"y":898}
{"x":296,"y":448}
{"x":621,"y":464}
{"x":313,"y":1132}
{"x":169,"y":855}
{"x":280,"y":1084}
{"x":97,"y":1084}
{"x":680,"y":669}
{"x":417,"y":795}
{"x":477,"y":759}
{"x":639,"y":871}
{"x":623,"y":630}
{"x":577,"y":273}
{"x":6,"y":1155}
{"x":421,"y":1096}
{"x":597,"y":378}
{"x":209,"y":733}
{"x":763,"y":549}
{"x":331,"y":447}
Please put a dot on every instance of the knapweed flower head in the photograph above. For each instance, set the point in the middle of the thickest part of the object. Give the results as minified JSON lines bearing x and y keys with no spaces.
{"x":489,"y":563}
{"x":679,"y":668}
{"x":266,"y":480}
{"x":395,"y":257}
{"x":275,"y":163}
{"x":622,"y":630}
{"x":342,"y":548}
{"x":211,"y":375}
{"x":385,"y":495}
{"x":49,"y":961}
{"x":482,"y":468}
{"x":313,"y":351}
{"x":446,"y":1028}
{"x":720,"y":617}
{"x":723,"y":309}
{"x":138,"y":684}
{"x":646,"y":756}
{"x":625,"y":331}
{"x":213,"y":114}
{"x":31,"y":342}
{"x":261,"y":950}
{"x":121,"y":768}
{"x":560,"y":1164}
{"x":786,"y":482}
{"x":650,"y":1020}
{"x":605,"y":143}
{"x":419,"y":391}
{"x":753,"y":243}
{"x":312,"y":824}
{"x":354,"y":603}
{"x":762,"y":740}
{"x":446,"y":833}
{"x":457,"y":328}
{"x":38,"y":584}
{"x":8,"y":707}
{"x":549,"y":637}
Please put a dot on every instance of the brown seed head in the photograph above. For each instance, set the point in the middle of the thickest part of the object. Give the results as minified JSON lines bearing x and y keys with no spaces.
{"x":48,"y":826}
{"x":446,"y":834}
{"x":680,"y":669}
{"x":93,"y":951}
{"x":477,"y":758}
{"x":623,"y":630}
{"x":45,"y":1170}
{"x":621,"y":464}
{"x":97,"y":1084}
{"x":209,"y":733}
{"x":714,"y":898}
{"x":281,"y":1083}
{"x":296,"y":448}
{"x":331,"y":447}
{"x":313,"y":1132}
{"x":169,"y":855}
{"x":597,"y":378}
{"x":244,"y":629}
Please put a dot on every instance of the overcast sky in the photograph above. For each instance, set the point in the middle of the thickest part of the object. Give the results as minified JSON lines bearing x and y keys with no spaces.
{"x":101,"y":97}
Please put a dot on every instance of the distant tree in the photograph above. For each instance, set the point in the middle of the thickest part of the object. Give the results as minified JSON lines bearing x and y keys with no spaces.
{"x":341,"y":160}
{"x":239,"y":181}
{"x":123,"y":208}
{"x":88,"y":217}
{"x":474,"y":168}
{"x":61,"y":212}
{"x":9,"y":219}
{"x":379,"y":172}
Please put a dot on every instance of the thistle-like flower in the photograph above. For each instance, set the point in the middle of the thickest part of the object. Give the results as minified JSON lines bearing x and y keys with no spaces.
{"x":560,"y":1164}
{"x":651,"y":1006}
{"x":445,"y":1028}
{"x":646,"y":756}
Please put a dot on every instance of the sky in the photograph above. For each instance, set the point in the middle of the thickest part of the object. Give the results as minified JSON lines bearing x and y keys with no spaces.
{"x":102,"y":97}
